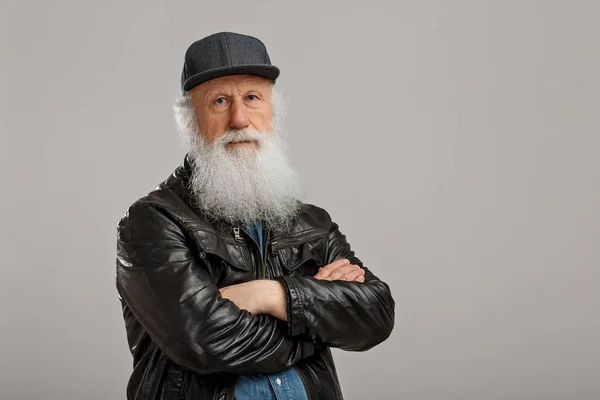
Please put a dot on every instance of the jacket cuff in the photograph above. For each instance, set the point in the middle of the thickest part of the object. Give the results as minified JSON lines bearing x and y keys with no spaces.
{"x":296,"y":323}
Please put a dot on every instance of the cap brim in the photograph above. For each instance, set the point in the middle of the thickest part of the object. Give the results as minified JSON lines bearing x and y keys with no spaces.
{"x":266,"y":71}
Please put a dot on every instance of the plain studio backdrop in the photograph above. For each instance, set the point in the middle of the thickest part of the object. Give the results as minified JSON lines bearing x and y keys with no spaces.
{"x":456,"y":143}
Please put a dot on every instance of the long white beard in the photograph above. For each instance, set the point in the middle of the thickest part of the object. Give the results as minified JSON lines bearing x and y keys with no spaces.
{"x":241,"y":185}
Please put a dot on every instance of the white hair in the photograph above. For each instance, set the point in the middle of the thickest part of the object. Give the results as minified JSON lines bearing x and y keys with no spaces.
{"x":241,"y":185}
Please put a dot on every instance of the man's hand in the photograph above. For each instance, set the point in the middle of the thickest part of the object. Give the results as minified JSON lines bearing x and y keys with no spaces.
{"x":258,"y":297}
{"x":341,"y":270}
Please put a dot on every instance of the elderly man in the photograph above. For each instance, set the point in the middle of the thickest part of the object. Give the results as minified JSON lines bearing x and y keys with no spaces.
{"x":231,"y":286}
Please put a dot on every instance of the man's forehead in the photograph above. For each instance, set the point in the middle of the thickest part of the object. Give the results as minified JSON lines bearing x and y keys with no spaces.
{"x":234,"y":82}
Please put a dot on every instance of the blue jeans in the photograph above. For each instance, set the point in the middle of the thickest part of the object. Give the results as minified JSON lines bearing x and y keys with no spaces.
{"x":285,"y":385}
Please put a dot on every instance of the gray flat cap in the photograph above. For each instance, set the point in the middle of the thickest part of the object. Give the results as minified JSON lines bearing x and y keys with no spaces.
{"x":225,"y":53}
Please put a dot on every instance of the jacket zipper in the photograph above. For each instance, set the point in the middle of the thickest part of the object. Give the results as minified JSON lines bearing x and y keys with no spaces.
{"x":238,"y":238}
{"x":262,"y":255}
{"x":274,"y":244}
{"x":230,"y":393}
{"x":275,"y":257}
{"x":303,"y":379}
{"x":236,"y":234}
{"x":262,"y":271}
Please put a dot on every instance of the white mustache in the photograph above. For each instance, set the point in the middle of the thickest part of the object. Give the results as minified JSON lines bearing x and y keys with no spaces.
{"x":240,"y":136}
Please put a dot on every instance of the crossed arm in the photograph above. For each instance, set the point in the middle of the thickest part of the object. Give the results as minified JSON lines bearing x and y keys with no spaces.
{"x":209,"y":330}
{"x":269,"y":296}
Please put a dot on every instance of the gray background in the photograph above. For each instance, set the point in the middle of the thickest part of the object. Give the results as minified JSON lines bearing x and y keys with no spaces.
{"x":455,"y":142}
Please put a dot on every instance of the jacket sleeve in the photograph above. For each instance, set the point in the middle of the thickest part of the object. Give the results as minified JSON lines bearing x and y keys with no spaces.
{"x":351,"y":316}
{"x":171,"y":293}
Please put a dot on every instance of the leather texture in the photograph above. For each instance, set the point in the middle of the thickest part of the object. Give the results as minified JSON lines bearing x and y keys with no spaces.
{"x":188,"y":342}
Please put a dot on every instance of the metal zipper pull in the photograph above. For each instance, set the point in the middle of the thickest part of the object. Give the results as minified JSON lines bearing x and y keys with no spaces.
{"x":236,"y":234}
{"x":275,"y":264}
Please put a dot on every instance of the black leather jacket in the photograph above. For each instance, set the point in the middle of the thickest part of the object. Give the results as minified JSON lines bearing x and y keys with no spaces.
{"x":190,"y":343}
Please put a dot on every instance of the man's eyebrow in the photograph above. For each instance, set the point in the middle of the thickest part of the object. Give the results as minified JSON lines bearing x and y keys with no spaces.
{"x":250,"y":87}
{"x":255,"y":89}
{"x":213,"y":92}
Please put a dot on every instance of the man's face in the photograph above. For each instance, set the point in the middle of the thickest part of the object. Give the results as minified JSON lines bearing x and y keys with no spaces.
{"x":234,"y":102}
{"x":232,"y":181}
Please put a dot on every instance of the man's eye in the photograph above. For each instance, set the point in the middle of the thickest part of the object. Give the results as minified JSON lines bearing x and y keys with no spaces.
{"x":252,"y":97}
{"x":220,"y":100}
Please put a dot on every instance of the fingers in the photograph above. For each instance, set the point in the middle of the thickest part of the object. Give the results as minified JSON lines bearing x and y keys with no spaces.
{"x":357,"y":275}
{"x":326,"y":271}
{"x":342,"y":271}
{"x":347,"y":273}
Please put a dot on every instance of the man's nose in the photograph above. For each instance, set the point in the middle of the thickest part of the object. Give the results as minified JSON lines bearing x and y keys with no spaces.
{"x":238,"y":119}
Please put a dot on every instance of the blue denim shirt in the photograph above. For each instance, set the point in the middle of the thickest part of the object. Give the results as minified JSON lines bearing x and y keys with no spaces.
{"x":285,"y":385}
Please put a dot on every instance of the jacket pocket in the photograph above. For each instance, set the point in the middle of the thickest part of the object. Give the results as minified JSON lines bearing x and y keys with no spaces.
{"x":227,"y":261}
{"x":300,"y":255}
